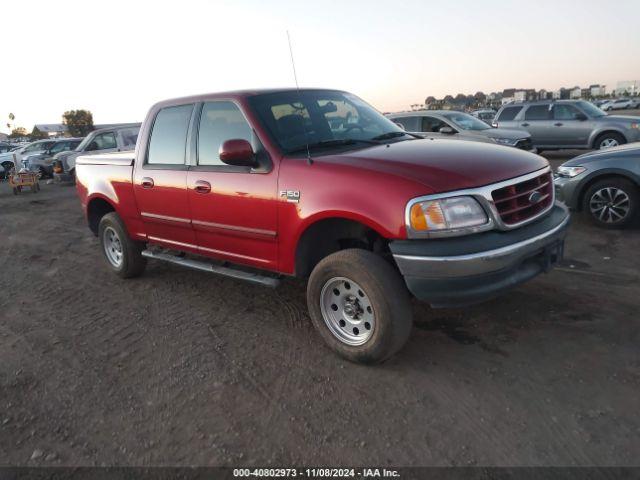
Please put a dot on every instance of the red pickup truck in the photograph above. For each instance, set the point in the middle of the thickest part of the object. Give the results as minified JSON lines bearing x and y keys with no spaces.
{"x":317,"y":184}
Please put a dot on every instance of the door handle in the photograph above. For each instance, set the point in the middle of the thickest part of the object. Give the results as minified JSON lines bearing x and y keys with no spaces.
{"x":525,"y":124}
{"x":202,"y":187}
{"x":557,"y":124}
{"x":146,"y":182}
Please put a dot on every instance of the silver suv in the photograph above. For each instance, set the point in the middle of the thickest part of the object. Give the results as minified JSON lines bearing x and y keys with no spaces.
{"x":569,"y":124}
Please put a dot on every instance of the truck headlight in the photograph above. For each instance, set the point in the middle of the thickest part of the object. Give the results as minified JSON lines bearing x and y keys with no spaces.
{"x":570,"y":172}
{"x":445,"y":214}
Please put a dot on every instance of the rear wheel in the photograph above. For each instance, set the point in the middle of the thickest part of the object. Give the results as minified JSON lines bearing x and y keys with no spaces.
{"x":123,"y":254}
{"x":609,"y":140}
{"x":359,"y":305}
{"x":612,"y":203}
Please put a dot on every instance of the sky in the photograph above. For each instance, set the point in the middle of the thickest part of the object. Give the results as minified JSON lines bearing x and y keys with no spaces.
{"x":116,"y":58}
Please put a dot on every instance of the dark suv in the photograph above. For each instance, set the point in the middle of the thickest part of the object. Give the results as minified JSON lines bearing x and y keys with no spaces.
{"x":569,"y":124}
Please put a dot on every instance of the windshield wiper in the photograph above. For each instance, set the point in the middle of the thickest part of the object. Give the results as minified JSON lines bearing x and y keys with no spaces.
{"x":389,"y":135}
{"x":332,"y":143}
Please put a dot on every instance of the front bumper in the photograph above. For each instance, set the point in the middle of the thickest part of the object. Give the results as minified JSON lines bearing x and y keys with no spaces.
{"x":566,"y":189}
{"x":471,"y":269}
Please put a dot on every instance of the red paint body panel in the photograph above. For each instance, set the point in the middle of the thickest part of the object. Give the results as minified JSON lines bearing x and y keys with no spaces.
{"x":244,"y":219}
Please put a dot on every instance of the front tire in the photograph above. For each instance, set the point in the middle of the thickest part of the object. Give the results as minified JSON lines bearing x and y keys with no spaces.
{"x":359,"y":305}
{"x":612,"y":203}
{"x":609,"y":140}
{"x":124,"y":255}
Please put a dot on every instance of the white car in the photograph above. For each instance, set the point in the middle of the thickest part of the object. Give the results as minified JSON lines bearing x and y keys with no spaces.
{"x":617,"y":104}
{"x":6,"y":159}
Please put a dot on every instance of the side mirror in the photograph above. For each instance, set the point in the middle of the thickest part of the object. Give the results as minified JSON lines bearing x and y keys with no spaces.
{"x":447,"y":130}
{"x":237,"y":152}
{"x":400,"y":125}
{"x":580,"y":116}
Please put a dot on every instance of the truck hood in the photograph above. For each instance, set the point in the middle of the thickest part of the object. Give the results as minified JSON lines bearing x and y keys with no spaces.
{"x":621,"y":118}
{"x":444,"y":165}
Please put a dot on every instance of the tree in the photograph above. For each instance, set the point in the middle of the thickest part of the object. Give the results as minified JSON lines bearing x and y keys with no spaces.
{"x":18,"y":132}
{"x":36,"y":134}
{"x":79,"y":122}
{"x":430,"y":100}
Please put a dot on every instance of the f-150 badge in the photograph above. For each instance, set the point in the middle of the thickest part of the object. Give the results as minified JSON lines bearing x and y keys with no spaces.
{"x":291,"y":195}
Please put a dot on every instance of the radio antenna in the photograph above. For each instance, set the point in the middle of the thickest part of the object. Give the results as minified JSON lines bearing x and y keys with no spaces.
{"x":295,"y":77}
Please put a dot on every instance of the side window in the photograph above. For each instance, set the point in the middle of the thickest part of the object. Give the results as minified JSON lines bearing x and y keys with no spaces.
{"x":104,"y":141}
{"x":432,"y":124}
{"x":129,"y":136}
{"x":169,"y":136}
{"x":537,"y":112}
{"x":565,"y":112}
{"x":508,"y":113}
{"x":219,"y":122}
{"x":410,"y":124}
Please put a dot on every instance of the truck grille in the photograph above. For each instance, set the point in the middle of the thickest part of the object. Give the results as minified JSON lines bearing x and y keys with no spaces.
{"x":522,"y":201}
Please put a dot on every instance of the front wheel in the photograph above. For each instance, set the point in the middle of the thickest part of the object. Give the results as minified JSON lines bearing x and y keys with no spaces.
{"x":123,"y":254}
{"x":359,"y":305}
{"x":609,"y":140}
{"x":612,"y":203}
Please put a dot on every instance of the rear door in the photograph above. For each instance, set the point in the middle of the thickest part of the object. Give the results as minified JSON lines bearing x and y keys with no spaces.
{"x":160,"y":180}
{"x":233,"y":209}
{"x":568,"y":131}
{"x":538,"y":122}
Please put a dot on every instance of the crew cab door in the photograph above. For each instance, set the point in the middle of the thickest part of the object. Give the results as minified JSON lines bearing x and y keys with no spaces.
{"x":233,"y":209}
{"x":160,"y":180}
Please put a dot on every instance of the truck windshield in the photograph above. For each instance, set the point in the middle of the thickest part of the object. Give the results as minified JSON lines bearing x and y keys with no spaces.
{"x":322,"y":119}
{"x":466,"y":121}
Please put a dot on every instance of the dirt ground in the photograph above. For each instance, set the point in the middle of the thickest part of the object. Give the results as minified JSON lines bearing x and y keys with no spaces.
{"x":180,"y":367}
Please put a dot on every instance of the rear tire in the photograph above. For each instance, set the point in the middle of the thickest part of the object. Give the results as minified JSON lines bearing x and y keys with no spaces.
{"x":123,"y":255}
{"x":359,"y":305}
{"x":612,"y":203}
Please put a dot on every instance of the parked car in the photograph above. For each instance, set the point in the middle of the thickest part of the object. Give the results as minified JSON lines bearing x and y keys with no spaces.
{"x":6,"y":147}
{"x":43,"y":162}
{"x":617,"y":104}
{"x":7,"y":159}
{"x":104,"y":140}
{"x":603,"y":184}
{"x":459,"y":126}
{"x":635,"y":102}
{"x":318,"y":184}
{"x":575,"y":124}
{"x":486,"y":115}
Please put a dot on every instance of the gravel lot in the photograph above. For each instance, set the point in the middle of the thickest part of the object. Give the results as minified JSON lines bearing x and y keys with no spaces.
{"x":180,"y":367}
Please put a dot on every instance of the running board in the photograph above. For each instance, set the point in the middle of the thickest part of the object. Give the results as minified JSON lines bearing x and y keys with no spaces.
{"x":212,"y":268}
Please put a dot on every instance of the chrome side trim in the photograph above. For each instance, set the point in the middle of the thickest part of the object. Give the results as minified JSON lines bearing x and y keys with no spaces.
{"x":483,"y":196}
{"x":164,"y":218}
{"x":235,"y":228}
{"x":477,"y":263}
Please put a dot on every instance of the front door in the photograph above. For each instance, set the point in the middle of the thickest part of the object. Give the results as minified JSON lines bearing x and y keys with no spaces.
{"x":233,"y":209}
{"x":160,"y":182}
{"x":570,"y":127}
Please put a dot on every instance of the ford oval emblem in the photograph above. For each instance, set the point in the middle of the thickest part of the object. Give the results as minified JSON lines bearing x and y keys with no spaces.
{"x":535,"y":197}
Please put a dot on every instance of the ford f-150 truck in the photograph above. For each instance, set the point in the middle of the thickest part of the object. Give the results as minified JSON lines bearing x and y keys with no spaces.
{"x":317,"y":184}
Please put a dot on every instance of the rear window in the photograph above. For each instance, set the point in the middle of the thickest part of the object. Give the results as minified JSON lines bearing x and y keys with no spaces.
{"x":410,"y":124}
{"x":169,"y":136}
{"x":509,"y":113}
{"x":537,"y":112}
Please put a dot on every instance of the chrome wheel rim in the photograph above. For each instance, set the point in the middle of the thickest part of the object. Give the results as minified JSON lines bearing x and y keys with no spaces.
{"x":610,"y":205}
{"x":112,"y":247}
{"x":347,"y":311}
{"x":608,"y":143}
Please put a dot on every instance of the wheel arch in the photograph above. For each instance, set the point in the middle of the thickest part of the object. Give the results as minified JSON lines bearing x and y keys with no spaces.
{"x":97,"y":207}
{"x":609,"y":129}
{"x":327,"y":234}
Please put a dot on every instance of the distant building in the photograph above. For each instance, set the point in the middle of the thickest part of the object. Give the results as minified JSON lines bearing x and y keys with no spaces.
{"x":597,"y":90}
{"x":575,"y":92}
{"x":3,"y":137}
{"x":628,"y":87}
{"x":52,"y":129}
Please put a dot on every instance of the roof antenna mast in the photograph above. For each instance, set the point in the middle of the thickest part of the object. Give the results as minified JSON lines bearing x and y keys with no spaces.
{"x":295,"y":77}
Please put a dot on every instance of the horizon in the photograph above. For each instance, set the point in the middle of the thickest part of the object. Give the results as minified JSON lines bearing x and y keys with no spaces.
{"x":360,"y":46}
